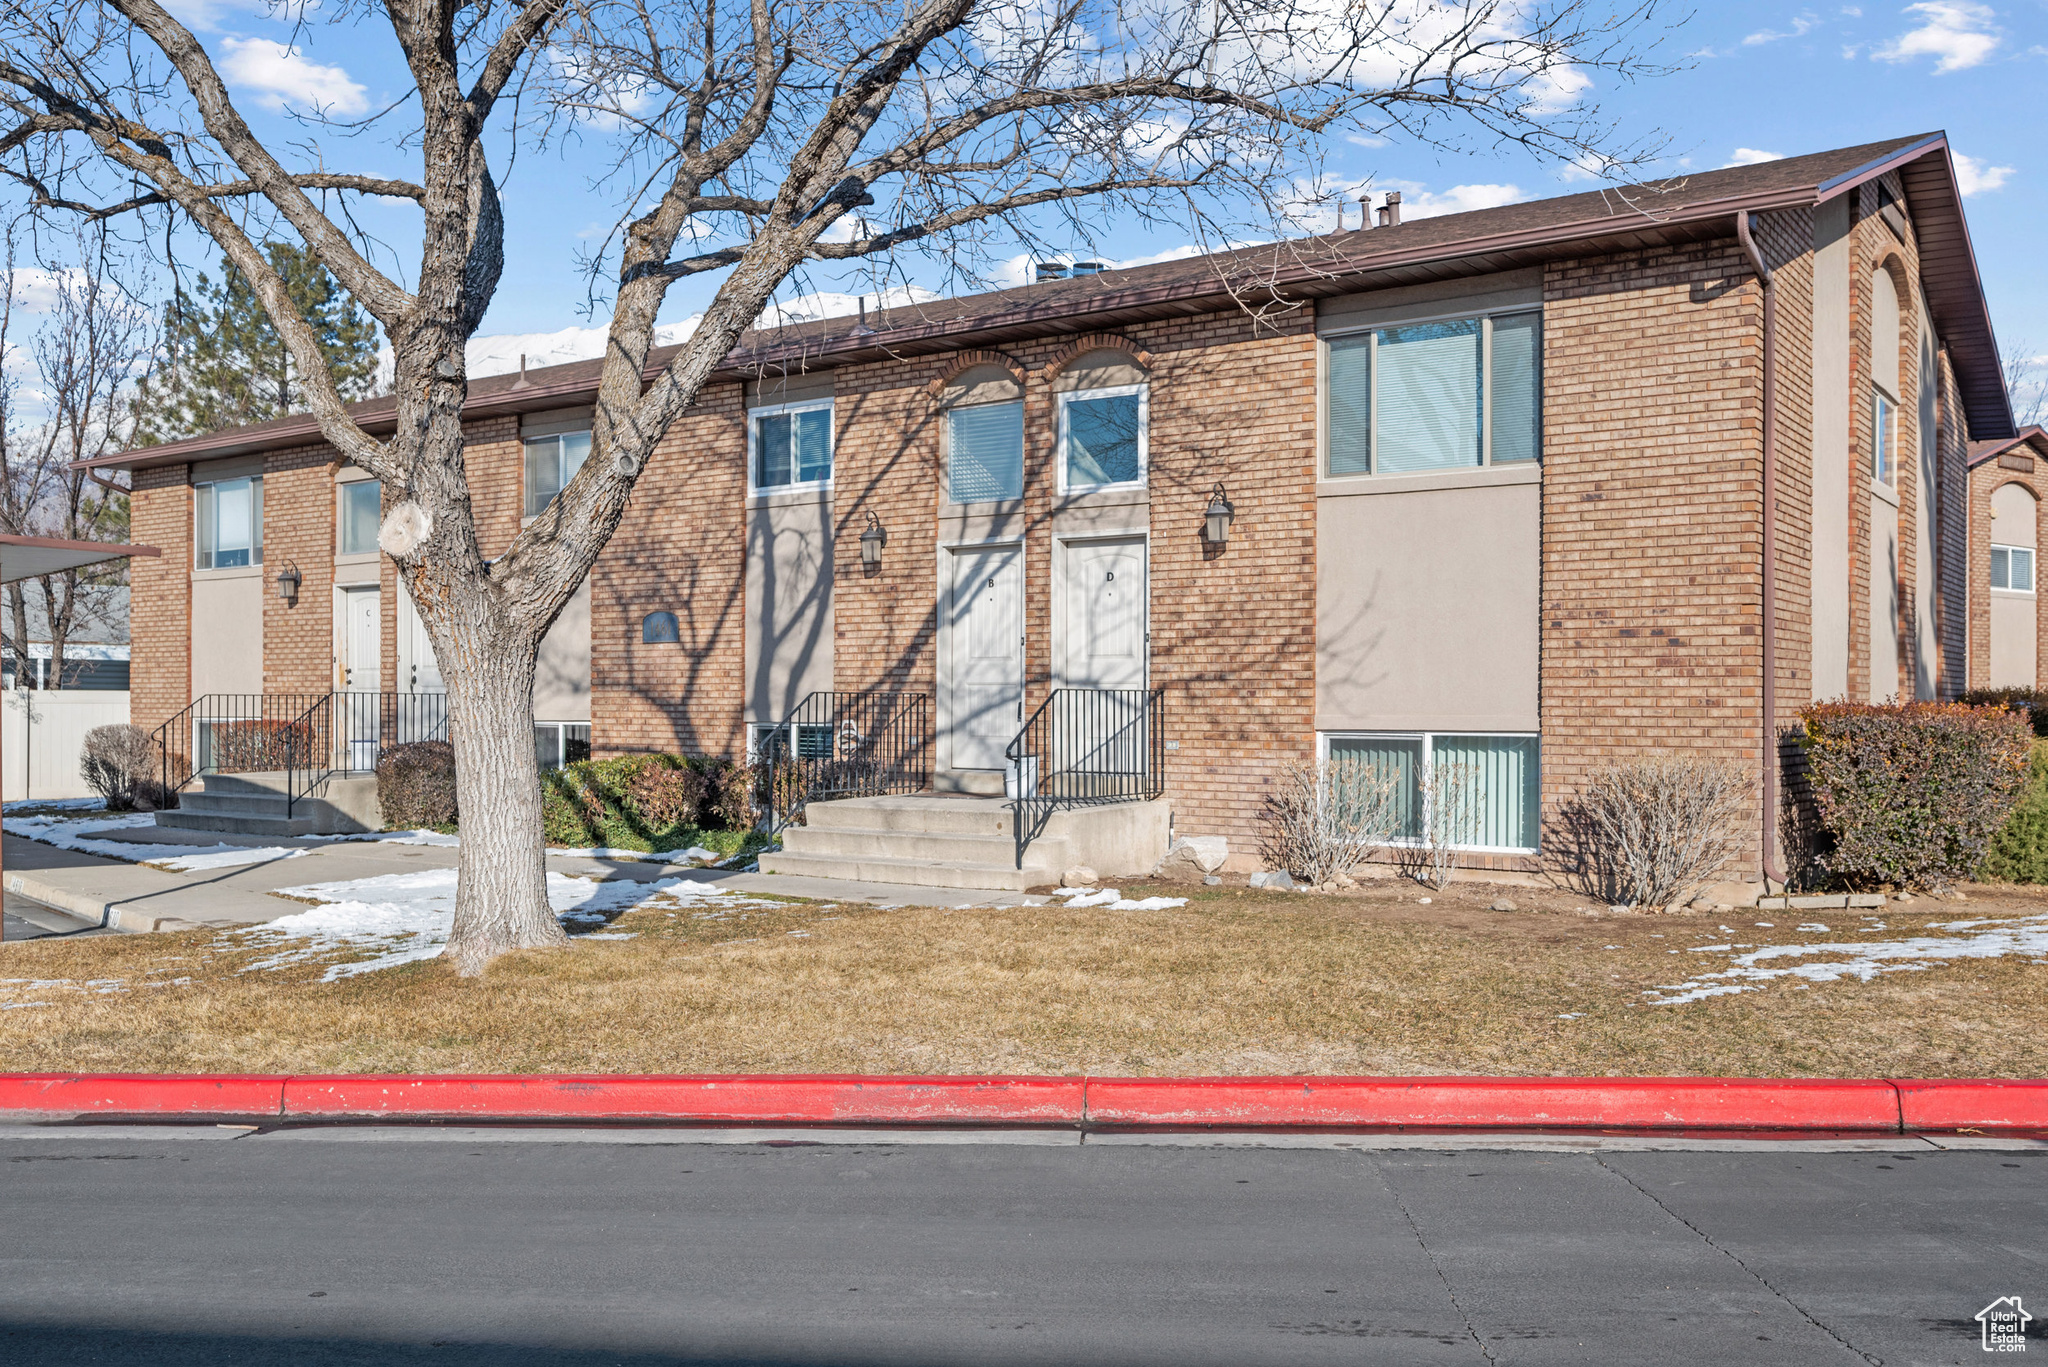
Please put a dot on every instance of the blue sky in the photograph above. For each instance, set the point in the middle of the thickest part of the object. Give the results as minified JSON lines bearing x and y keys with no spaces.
{"x":1758,"y":78}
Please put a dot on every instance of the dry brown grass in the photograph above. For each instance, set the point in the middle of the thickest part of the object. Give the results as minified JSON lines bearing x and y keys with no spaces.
{"x":1235,"y":982}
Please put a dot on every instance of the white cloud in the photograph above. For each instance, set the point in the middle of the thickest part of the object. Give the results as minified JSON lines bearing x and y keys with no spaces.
{"x":1974,"y":177}
{"x":1801,"y":26}
{"x":1751,"y":156}
{"x":1417,"y":202}
{"x":1586,"y":166}
{"x":35,"y":290}
{"x":1958,"y":33}
{"x":279,"y":73}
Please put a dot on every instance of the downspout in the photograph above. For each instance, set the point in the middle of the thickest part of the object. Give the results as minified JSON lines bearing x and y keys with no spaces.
{"x":1770,"y":557}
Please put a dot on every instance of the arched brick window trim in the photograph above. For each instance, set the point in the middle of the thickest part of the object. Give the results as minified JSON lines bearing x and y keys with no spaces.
{"x":1099,"y":341}
{"x":968,"y":360}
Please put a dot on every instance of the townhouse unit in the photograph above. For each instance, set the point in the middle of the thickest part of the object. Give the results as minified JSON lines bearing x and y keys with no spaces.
{"x":1523,"y":491}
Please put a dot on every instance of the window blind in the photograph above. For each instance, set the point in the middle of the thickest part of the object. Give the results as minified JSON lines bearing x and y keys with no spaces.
{"x":1400,"y":757}
{"x":1517,"y":388}
{"x":1428,"y":396}
{"x":1499,"y":801}
{"x":1349,"y":382}
{"x":985,"y":452}
{"x":361,"y":506}
{"x":793,"y":448}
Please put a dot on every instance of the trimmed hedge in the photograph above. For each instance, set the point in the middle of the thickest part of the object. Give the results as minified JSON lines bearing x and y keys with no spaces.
{"x":2030,"y":701}
{"x":645,"y":802}
{"x":416,"y":785}
{"x":1912,"y":794}
{"x":2019,"y":852}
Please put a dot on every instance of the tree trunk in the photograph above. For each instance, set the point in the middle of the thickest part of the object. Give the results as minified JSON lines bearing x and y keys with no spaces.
{"x":501,"y":893}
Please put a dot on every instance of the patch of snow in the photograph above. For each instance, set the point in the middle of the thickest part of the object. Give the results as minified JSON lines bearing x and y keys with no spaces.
{"x":696,"y":852}
{"x":1813,"y":928}
{"x":16,"y":1006}
{"x":66,"y":804}
{"x":70,"y":833}
{"x":1571,"y":1015}
{"x":1148,"y":904}
{"x":610,"y":935}
{"x":1766,"y":925}
{"x":399,"y":918}
{"x":420,"y":837}
{"x":1096,"y":899}
{"x":1111,"y":899}
{"x":2023,"y":935}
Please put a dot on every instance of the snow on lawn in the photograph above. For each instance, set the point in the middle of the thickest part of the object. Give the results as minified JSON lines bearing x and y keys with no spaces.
{"x":1112,"y":899}
{"x":695,"y":852}
{"x":72,"y":833}
{"x":397,"y":918}
{"x":1831,"y":961}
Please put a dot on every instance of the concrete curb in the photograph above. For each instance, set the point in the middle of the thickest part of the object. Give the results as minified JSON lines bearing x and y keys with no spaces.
{"x":1869,"y":1105}
{"x":109,"y":915}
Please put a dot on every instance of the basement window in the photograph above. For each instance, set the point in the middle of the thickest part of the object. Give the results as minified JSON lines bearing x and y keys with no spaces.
{"x":230,"y":523}
{"x":1489,"y":781}
{"x":556,"y":743}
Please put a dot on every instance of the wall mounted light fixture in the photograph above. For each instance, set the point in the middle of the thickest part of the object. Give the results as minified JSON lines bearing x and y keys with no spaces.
{"x":871,"y":542}
{"x":288,"y":581}
{"x":1217,"y":518}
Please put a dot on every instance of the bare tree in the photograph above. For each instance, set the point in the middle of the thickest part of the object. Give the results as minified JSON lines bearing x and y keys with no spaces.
{"x":94,"y":340}
{"x":748,"y":141}
{"x":2026,"y":380}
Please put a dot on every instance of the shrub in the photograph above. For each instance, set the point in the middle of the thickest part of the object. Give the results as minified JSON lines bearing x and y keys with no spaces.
{"x":645,"y":802}
{"x":1324,"y":819}
{"x":2019,"y":852}
{"x":259,"y":746}
{"x":1652,"y":832}
{"x":2032,"y":702}
{"x":121,"y":763}
{"x":1911,"y":794}
{"x":416,"y":785}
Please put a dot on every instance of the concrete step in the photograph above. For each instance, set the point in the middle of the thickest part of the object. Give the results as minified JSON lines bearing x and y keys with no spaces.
{"x":922,"y":814}
{"x":181,"y":819}
{"x":233,"y":804}
{"x":919,"y":873}
{"x":255,"y":783}
{"x":848,"y":842}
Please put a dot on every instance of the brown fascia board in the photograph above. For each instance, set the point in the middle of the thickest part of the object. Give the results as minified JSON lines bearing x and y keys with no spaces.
{"x":1303,"y":281}
{"x":1981,"y":451}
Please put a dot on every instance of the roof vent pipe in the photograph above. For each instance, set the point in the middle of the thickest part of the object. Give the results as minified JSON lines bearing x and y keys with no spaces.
{"x":1051,"y":270}
{"x":1390,"y":214}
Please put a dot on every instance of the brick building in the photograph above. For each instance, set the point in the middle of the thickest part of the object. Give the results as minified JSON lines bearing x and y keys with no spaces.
{"x":1525,"y":489}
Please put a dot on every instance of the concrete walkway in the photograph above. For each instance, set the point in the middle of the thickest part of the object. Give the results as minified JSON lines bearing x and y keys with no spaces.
{"x":109,"y":893}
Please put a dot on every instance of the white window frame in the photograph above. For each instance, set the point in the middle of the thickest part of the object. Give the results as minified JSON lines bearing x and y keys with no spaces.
{"x":2033,"y":571}
{"x":1428,"y":739}
{"x":526,"y":493}
{"x":341,"y":493}
{"x":255,"y":483}
{"x":753,"y":443}
{"x":1117,"y":391}
{"x":1884,"y":454}
{"x":561,"y":730}
{"x":1023,"y":450}
{"x":1485,"y":318}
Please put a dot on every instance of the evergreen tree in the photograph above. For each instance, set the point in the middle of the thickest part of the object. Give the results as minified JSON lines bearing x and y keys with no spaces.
{"x":223,"y":363}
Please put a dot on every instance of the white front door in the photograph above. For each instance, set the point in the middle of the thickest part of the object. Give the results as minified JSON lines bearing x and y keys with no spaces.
{"x":985,"y":633}
{"x":1105,"y":643}
{"x":361,"y":677}
{"x":418,"y":670}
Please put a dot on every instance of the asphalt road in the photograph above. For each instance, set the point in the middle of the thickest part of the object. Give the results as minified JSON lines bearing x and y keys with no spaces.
{"x":307,"y":1250}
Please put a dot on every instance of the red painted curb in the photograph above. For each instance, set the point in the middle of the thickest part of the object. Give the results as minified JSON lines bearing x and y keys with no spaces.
{"x":760,"y":1099}
{"x":1499,"y":1103}
{"x":142,"y":1094}
{"x":1231,"y":1102}
{"x":1963,"y":1103}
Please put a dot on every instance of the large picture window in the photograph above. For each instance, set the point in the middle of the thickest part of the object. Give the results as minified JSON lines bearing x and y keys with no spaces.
{"x":1444,"y":395}
{"x":362,"y":507}
{"x":985,"y":452}
{"x":551,"y":462}
{"x":1492,"y":780}
{"x":791,"y":445}
{"x":1102,"y":437}
{"x":230,"y":523}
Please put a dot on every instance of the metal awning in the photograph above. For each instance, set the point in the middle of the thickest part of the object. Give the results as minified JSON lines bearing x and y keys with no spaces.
{"x":25,"y":557}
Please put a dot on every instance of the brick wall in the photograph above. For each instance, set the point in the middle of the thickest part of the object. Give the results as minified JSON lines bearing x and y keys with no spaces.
{"x":160,"y":597}
{"x":1982,"y":483}
{"x":298,"y":528}
{"x":1652,"y":505}
{"x":679,"y":548}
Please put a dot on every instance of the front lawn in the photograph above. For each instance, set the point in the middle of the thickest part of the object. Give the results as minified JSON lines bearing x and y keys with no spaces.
{"x":1234,"y":982}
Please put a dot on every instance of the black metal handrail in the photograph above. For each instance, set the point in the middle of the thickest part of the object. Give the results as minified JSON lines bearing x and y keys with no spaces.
{"x":306,"y":736}
{"x":1085,"y":747}
{"x":837,"y":745}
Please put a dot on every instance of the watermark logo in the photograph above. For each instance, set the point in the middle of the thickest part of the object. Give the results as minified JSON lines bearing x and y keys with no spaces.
{"x":2005,"y":1325}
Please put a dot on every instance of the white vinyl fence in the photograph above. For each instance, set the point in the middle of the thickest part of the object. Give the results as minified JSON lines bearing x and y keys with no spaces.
{"x":42,"y":733}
